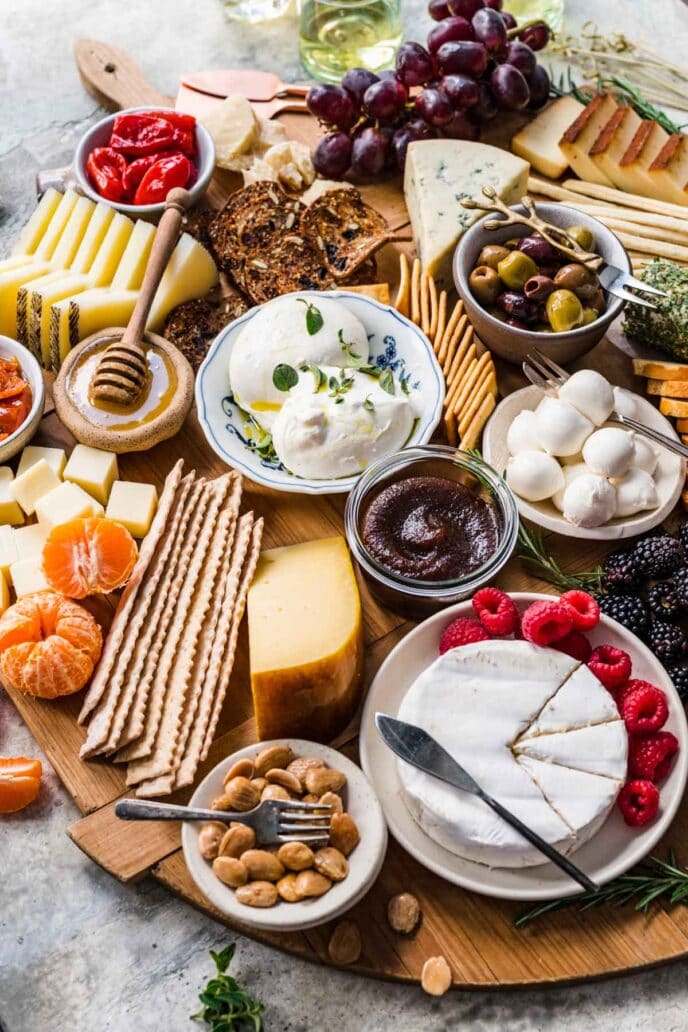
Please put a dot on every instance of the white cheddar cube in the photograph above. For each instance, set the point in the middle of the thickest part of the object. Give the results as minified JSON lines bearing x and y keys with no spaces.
{"x":29,"y":540}
{"x":10,"y":510}
{"x":27,"y":576}
{"x":4,"y":593}
{"x":133,"y":505}
{"x":35,"y":482}
{"x":67,"y":502}
{"x":8,"y":549}
{"x":55,"y":457}
{"x":93,"y":470}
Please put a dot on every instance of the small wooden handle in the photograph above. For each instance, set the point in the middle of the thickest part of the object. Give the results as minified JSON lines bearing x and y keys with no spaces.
{"x":110,"y":75}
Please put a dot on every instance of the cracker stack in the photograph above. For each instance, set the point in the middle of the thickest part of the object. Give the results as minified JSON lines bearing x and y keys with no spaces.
{"x":468,"y":369}
{"x":156,"y":696}
{"x":668,"y":381}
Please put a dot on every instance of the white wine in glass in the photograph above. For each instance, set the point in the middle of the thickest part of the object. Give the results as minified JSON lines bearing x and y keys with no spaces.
{"x":255,"y":10}
{"x":550,"y":11}
{"x":336,"y":35}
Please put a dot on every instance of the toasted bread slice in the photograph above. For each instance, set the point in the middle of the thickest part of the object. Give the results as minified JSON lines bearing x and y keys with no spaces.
{"x":668,"y":388}
{"x":673,"y":407}
{"x":660,"y":370}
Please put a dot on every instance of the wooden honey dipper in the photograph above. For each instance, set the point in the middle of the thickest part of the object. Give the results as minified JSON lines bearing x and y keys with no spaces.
{"x":122,"y":370}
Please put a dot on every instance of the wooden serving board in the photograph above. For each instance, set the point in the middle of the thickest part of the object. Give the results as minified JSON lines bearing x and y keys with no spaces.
{"x":476,"y":934}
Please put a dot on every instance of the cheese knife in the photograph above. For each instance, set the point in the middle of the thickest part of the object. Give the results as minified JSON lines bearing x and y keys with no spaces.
{"x":200,"y":92}
{"x":415,"y":746}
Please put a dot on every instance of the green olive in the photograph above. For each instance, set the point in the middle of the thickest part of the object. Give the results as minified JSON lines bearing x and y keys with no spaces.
{"x":515,"y":269}
{"x":589,"y":316}
{"x":582,"y":236}
{"x":492,"y":255}
{"x":485,"y":284}
{"x":578,"y":278}
{"x":564,"y":311}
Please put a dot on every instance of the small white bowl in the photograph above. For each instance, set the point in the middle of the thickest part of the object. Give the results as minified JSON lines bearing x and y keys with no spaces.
{"x":32,"y":372}
{"x":669,"y":476}
{"x":365,"y":861}
{"x":395,"y":343}
{"x":99,"y":136}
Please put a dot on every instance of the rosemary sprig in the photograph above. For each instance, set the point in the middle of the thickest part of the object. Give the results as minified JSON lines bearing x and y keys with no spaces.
{"x":647,"y":884}
{"x":625,"y":90}
{"x":227,"y":1007}
{"x":531,"y":549}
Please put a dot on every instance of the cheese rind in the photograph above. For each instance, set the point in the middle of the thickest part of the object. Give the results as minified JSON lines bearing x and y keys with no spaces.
{"x":538,"y":141}
{"x":438,"y":174}
{"x":305,"y":639}
{"x":133,"y":505}
{"x":579,"y":137}
{"x":93,"y":470}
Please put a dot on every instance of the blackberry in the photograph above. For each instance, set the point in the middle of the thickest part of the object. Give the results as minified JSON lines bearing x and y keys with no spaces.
{"x":679,"y":675}
{"x":665,"y":603}
{"x":620,"y":572}
{"x":680,"y":579}
{"x":683,"y":538}
{"x":668,"y":642}
{"x":657,"y":556}
{"x":628,"y":610}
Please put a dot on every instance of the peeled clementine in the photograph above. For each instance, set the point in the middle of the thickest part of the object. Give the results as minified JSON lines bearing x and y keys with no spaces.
{"x":88,"y":556}
{"x":20,"y":782}
{"x":49,"y":645}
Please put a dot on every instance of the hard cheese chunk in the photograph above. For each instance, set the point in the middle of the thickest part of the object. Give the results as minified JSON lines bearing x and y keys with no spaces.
{"x":4,"y":593}
{"x":132,"y":505}
{"x":439,"y":173}
{"x":66,"y":502}
{"x":538,"y":142}
{"x":29,"y":540}
{"x":93,"y":470}
{"x":34,"y":230}
{"x":27,"y":576}
{"x":8,"y":550}
{"x":55,"y":457}
{"x":306,"y":640}
{"x":577,"y":140}
{"x":28,"y":489}
{"x":10,"y":510}
{"x":233,"y":127}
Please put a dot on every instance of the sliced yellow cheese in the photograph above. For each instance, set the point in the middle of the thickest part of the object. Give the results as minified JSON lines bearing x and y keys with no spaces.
{"x":578,"y":138}
{"x":10,"y":510}
{"x":132,"y":505}
{"x":93,"y":470}
{"x":105,"y":264}
{"x":57,"y":225}
{"x":613,"y":141}
{"x":32,"y":233}
{"x":66,"y":502}
{"x":73,"y":233}
{"x":35,"y":482}
{"x":29,"y":540}
{"x":8,"y":550}
{"x":306,"y":640}
{"x":4,"y":593}
{"x":190,"y":273}
{"x":11,"y":281}
{"x":27,"y":576}
{"x":129,"y":274}
{"x":92,"y":239}
{"x":632,"y":174}
{"x":78,"y":316}
{"x":233,"y":127}
{"x":538,"y":142}
{"x":55,"y":457}
{"x":669,"y":171}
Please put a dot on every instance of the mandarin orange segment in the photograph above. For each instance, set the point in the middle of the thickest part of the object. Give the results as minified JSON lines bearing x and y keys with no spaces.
{"x":20,"y":782}
{"x":49,"y":645}
{"x":87,"y":556}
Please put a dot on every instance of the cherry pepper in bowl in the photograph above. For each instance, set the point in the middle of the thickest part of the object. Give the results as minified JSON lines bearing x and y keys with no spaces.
{"x":168,"y":171}
{"x":106,"y":170}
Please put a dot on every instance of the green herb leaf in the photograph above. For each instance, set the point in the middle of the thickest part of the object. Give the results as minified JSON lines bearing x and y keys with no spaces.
{"x":368,"y":404}
{"x":314,"y":319}
{"x":227,"y":1006}
{"x":284,"y":377}
{"x":404,"y":386}
{"x":386,"y":381}
{"x":532,"y":550}
{"x":355,"y":359}
{"x":319,"y":378}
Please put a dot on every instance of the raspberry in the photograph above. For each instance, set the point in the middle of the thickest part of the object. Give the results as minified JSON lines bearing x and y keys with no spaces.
{"x":575,"y":645}
{"x":650,"y":756}
{"x":462,"y":631}
{"x":586,"y":609}
{"x":620,"y":694}
{"x":643,"y":708}
{"x":611,"y":665}
{"x":496,"y":611}
{"x":639,"y":802}
{"x":546,"y":622}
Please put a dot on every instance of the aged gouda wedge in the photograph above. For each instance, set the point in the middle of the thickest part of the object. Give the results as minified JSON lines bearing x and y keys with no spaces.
{"x":10,"y":510}
{"x":55,"y":457}
{"x":132,"y":505}
{"x":93,"y":470}
{"x":66,"y":502}
{"x":306,"y":640}
{"x":27,"y":576}
{"x":36,"y":481}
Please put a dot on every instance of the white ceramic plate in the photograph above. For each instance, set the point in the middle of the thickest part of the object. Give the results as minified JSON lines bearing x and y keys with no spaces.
{"x":33,"y":374}
{"x":614,"y":849}
{"x":395,"y":343}
{"x":364,"y":862}
{"x":669,"y":475}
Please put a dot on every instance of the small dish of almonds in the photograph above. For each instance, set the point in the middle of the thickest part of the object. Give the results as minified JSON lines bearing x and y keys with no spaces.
{"x":294,"y":885}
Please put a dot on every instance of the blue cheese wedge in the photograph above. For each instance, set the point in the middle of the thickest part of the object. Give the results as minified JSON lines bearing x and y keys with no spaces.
{"x":438,"y":174}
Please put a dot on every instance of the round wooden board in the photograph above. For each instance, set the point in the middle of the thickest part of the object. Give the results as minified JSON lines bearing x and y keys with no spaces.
{"x":477,"y":935}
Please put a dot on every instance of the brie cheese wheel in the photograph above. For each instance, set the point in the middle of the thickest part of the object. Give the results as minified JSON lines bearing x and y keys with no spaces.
{"x":506,"y":711}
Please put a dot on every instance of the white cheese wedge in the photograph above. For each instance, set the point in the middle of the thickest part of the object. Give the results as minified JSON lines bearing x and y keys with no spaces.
{"x":438,"y":174}
{"x":564,"y":712}
{"x":133,"y":505}
{"x":105,"y":263}
{"x":34,"y":230}
{"x":27,"y":576}
{"x":538,"y":142}
{"x":190,"y":273}
{"x":57,"y":225}
{"x":233,"y":127}
{"x":93,"y":470}
{"x":600,"y":748}
{"x":10,"y":510}
{"x":613,"y":141}
{"x":80,"y":315}
{"x":32,"y":485}
{"x":93,"y":238}
{"x":632,"y":173}
{"x":582,"y":800}
{"x":669,"y":171}
{"x":579,"y":137}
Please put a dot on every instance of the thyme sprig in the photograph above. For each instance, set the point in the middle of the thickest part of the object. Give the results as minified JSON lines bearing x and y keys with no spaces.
{"x":625,"y":91}
{"x":227,"y":1006}
{"x":532,"y":550}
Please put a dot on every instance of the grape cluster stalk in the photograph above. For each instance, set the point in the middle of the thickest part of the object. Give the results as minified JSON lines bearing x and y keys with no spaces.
{"x":476,"y":63}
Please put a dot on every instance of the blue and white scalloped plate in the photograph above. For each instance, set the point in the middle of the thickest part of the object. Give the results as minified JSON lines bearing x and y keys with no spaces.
{"x":395,"y":343}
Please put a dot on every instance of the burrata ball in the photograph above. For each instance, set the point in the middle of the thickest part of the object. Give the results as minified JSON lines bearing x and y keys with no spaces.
{"x":561,"y":429}
{"x":625,"y":402}
{"x":589,"y":501}
{"x":534,"y":475}
{"x":609,"y":451}
{"x":590,"y":393}
{"x":644,"y":454}
{"x":522,"y":434}
{"x":571,"y":473}
{"x":635,"y":492}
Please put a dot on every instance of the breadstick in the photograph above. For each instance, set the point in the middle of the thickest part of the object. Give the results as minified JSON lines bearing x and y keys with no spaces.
{"x":642,"y":218}
{"x":659,"y":248}
{"x":608,"y":193}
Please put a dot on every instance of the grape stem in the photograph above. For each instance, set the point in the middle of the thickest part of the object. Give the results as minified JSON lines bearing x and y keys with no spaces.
{"x":518,"y":29}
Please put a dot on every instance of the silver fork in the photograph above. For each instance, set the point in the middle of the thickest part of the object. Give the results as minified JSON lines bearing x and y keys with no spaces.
{"x":547,"y":376}
{"x":274,"y":820}
{"x":616,"y":280}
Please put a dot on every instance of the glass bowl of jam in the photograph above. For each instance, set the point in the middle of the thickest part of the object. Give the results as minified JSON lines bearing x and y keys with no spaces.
{"x":430,"y":525}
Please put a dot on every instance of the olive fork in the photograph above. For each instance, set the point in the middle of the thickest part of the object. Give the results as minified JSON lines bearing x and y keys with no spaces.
{"x":274,"y":821}
{"x":547,"y":376}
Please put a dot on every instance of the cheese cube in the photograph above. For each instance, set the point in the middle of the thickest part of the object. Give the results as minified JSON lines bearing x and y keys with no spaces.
{"x":4,"y":593}
{"x":35,"y":482}
{"x":55,"y":457}
{"x":10,"y":512}
{"x":93,"y":470}
{"x":27,"y":576}
{"x":132,"y":505}
{"x":66,"y":502}
{"x":8,"y":549}
{"x":538,"y":142}
{"x":29,"y":540}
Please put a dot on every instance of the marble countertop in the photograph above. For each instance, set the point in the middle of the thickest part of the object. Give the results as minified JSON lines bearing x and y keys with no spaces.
{"x":80,"y":952}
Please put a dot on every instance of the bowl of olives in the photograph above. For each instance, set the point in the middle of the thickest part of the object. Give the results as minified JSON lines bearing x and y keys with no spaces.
{"x":521,"y":292}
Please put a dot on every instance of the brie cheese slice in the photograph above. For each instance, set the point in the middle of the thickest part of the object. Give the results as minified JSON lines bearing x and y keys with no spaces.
{"x":583,"y":801}
{"x":563,"y":712}
{"x":597,"y":749}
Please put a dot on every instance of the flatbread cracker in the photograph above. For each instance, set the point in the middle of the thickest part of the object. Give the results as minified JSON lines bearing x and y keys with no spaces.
{"x":432,"y":328}
{"x":415,"y":291}
{"x":403,"y":301}
{"x":425,"y":303}
{"x":475,"y":375}
{"x":441,"y":318}
{"x":455,"y":320}
{"x":467,"y":356}
{"x":486,"y":385}
{"x":452,"y":345}
{"x":470,"y":438}
{"x":119,"y":624}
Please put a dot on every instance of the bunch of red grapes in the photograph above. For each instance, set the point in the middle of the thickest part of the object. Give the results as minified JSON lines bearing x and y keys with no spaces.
{"x":470,"y":70}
